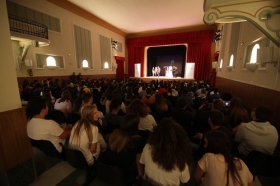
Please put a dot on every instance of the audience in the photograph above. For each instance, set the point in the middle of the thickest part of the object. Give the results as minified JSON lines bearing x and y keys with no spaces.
{"x":64,"y":103}
{"x":161,"y":108}
{"x":147,"y":121}
{"x":85,"y":136}
{"x":125,"y":148}
{"x":148,"y":98}
{"x":38,"y":128}
{"x":237,"y":113}
{"x":166,"y":164}
{"x":218,"y":167}
{"x":112,"y":119}
{"x":167,"y":155}
{"x":258,"y":134}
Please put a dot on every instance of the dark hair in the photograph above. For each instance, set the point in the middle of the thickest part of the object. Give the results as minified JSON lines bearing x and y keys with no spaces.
{"x":219,"y":143}
{"x":148,"y":90}
{"x":86,"y":96}
{"x":263,"y":113}
{"x":216,"y":117}
{"x":209,"y":99}
{"x":114,"y":104}
{"x":65,"y":96}
{"x":122,"y":137}
{"x":170,"y":145}
{"x":138,"y":107}
{"x":218,"y":104}
{"x":34,"y":106}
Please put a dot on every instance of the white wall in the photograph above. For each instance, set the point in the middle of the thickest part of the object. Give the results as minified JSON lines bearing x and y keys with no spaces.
{"x":9,"y":97}
{"x":63,"y":43}
{"x":268,"y":78}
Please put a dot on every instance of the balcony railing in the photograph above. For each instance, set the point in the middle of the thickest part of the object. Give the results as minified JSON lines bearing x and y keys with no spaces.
{"x":25,"y":26}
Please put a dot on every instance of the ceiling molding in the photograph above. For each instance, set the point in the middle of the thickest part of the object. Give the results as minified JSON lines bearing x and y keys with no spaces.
{"x":264,"y":14}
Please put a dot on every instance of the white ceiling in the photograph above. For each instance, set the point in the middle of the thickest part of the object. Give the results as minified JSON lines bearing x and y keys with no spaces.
{"x":134,"y":16}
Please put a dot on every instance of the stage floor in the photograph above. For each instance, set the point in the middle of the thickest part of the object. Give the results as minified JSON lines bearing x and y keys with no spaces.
{"x":163,"y":78}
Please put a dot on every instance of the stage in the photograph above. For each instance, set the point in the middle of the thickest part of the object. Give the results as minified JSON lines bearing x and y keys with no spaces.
{"x":162,"y":78}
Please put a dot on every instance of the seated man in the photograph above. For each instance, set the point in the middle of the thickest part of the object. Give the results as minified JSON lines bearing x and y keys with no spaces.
{"x":112,"y":119}
{"x":258,"y":135}
{"x":38,"y":128}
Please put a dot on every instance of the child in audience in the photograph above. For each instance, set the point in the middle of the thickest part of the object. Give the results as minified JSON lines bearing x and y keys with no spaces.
{"x":64,"y":103}
{"x":85,"y":136}
{"x":38,"y":128}
{"x":167,"y":155}
{"x":125,"y":148}
{"x":218,"y":167}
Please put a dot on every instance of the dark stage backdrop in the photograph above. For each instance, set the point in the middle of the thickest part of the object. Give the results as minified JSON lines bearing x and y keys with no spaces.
{"x":167,"y":56}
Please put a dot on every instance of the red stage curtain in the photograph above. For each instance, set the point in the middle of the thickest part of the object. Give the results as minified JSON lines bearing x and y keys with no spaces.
{"x":200,"y":55}
{"x":120,"y":68}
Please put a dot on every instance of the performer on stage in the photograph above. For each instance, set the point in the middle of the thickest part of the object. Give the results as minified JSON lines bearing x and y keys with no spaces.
{"x":174,"y":69}
{"x":153,"y":71}
{"x":158,"y":71}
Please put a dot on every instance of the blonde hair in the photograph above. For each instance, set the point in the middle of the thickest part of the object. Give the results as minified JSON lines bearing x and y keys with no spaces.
{"x":86,"y":121}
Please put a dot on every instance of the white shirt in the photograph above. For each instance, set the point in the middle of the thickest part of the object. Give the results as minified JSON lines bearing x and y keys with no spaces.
{"x":258,"y":136}
{"x":160,"y":176}
{"x":82,"y":142}
{"x":147,"y":123}
{"x":41,"y":129}
{"x":215,"y":168}
{"x":65,"y":107}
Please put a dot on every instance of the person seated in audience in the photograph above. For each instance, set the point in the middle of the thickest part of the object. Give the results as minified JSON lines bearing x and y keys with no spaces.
{"x":87,"y":100}
{"x":161,"y":109}
{"x":215,"y":120}
{"x":128,"y":95}
{"x":218,"y":167}
{"x":167,"y":155}
{"x":258,"y":134}
{"x":38,"y":128}
{"x":47,"y":95}
{"x":182,"y":115}
{"x":148,"y":98}
{"x":147,"y":121}
{"x":85,"y":136}
{"x":215,"y":94}
{"x":186,"y":97}
{"x":219,"y":105}
{"x":64,"y":103}
{"x":113,"y":120}
{"x":125,"y":148}
{"x":236,"y":113}
{"x":142,"y":91}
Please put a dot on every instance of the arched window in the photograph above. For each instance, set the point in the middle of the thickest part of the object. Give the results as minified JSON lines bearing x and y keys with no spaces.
{"x":254,"y":53}
{"x":51,"y":61}
{"x":85,"y":64}
{"x":106,"y":65}
{"x":221,"y":63}
{"x":231,"y":60}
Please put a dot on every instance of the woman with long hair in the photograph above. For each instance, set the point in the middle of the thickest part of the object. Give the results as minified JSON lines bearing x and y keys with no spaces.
{"x":85,"y":136}
{"x":167,"y":154}
{"x":147,"y":121}
{"x":237,"y":114}
{"x":125,"y":148}
{"x":64,"y":103}
{"x":161,"y":108}
{"x":218,"y":167}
